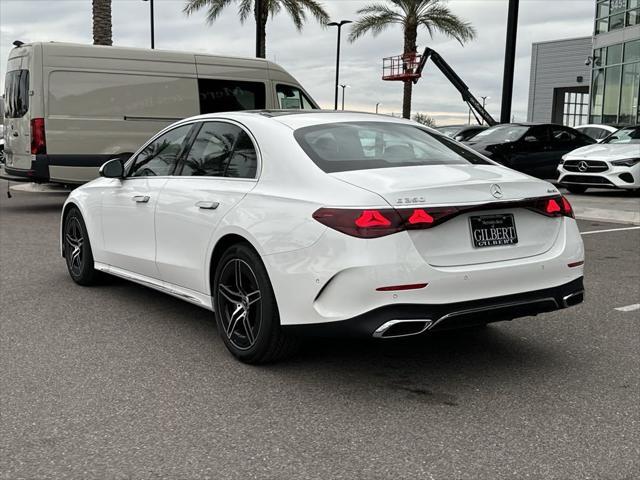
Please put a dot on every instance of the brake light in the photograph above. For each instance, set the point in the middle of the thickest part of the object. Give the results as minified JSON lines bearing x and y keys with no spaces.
{"x":567,"y":208}
{"x":372,"y":218}
{"x":552,"y":206}
{"x":420,"y":216}
{"x":38,"y":141}
{"x":396,"y":288}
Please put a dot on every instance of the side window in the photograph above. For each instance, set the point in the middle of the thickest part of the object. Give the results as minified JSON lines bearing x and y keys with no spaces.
{"x":537,"y":134}
{"x":230,"y":95}
{"x":221,"y":150}
{"x":160,"y":156}
{"x":292,"y":98}
{"x":562,"y":135}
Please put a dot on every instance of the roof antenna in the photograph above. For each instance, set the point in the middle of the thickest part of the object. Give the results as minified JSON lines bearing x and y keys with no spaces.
{"x":18,"y":43}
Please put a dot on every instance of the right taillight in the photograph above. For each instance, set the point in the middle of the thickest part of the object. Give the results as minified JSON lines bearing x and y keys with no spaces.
{"x":369,"y":223}
{"x":38,"y":141}
{"x":557,"y":206}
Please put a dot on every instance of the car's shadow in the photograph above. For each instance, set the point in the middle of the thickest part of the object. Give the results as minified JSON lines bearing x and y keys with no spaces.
{"x":421,"y":367}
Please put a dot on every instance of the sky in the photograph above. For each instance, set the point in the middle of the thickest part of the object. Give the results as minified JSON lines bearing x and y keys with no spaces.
{"x":310,"y":55}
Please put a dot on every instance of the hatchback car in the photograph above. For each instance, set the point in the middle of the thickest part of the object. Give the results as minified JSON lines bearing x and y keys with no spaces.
{"x":534,"y":149}
{"x":284,"y":224}
{"x":614,"y":163}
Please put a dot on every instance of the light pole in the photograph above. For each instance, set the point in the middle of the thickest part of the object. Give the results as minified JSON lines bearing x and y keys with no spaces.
{"x":509,"y":61}
{"x":484,"y":102}
{"x":344,"y":87}
{"x":339,"y":25}
{"x":153,"y":42}
{"x":377,"y":105}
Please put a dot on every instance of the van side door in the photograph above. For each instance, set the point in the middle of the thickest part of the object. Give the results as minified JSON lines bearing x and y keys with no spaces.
{"x":219,"y":169}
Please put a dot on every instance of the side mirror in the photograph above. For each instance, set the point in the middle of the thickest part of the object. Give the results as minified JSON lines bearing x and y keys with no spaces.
{"x":112,"y":169}
{"x":530,"y":139}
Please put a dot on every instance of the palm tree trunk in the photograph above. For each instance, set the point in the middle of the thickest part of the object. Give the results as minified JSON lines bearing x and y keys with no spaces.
{"x":102,"y":22}
{"x":410,"y":47}
{"x":261,"y":27}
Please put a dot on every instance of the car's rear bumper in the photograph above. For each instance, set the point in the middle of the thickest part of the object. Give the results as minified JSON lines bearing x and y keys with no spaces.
{"x":394,"y":321}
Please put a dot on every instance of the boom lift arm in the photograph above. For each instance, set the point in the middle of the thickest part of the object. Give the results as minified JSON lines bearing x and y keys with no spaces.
{"x":452,"y":76}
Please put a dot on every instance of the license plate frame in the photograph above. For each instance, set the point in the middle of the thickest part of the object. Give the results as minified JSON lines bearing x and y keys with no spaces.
{"x":496,"y":230}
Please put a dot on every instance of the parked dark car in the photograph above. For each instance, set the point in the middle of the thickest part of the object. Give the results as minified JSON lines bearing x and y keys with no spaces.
{"x":461,"y":132}
{"x":534,"y":149}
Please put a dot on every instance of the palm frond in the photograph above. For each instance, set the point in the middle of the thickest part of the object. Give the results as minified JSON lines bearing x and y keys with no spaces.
{"x":375,"y":18}
{"x":440,"y":18}
{"x":297,"y":9}
{"x":245,"y":9}
{"x":215,"y":7}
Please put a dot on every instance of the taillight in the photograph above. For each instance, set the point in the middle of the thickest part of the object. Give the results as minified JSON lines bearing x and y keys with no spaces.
{"x":554,"y":207}
{"x":567,"y":208}
{"x":38,"y":142}
{"x":369,"y":223}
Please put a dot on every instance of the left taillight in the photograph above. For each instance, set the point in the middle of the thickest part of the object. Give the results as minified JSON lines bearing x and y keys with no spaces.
{"x":38,"y":141}
{"x":557,"y":206}
{"x":368,"y":223}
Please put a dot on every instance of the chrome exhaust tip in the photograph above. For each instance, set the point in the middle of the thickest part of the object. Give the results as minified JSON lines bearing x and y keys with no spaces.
{"x":573,"y":299}
{"x":402,"y":328}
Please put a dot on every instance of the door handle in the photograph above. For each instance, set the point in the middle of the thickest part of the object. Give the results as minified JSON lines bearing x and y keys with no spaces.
{"x":15,"y":134}
{"x":141,"y":198}
{"x":207,"y":205}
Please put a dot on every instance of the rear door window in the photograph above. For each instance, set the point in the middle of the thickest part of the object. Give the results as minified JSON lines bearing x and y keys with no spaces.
{"x":159,"y":157}
{"x":16,"y":93}
{"x":221,"y":150}
{"x":230,"y":95}
{"x":292,"y":98}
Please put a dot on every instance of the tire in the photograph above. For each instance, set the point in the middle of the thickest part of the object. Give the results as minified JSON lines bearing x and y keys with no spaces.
{"x":245,"y":308}
{"x":577,"y":189}
{"x":77,"y":249}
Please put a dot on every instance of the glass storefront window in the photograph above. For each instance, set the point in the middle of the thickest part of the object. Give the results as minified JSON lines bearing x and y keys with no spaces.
{"x":630,"y":92}
{"x":633,"y":17}
{"x":616,"y":21}
{"x":633,"y":4}
{"x":632,"y":51}
{"x":599,"y":57}
{"x":602,"y":26}
{"x":611,"y":94}
{"x":597,"y":92}
{"x":603,"y":10}
{"x":614,"y":54}
{"x":618,"y":5}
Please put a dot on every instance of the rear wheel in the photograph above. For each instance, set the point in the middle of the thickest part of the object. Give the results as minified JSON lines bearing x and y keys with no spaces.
{"x":77,"y":249}
{"x":246,"y":310}
{"x":577,"y":189}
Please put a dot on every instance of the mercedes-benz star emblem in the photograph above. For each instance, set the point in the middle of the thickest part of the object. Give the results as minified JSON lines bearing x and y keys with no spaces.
{"x":583,"y":166}
{"x":496,"y":191}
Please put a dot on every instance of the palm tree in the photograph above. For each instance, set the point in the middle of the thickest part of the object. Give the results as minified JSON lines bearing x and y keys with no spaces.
{"x":295,"y":8}
{"x":433,"y":15}
{"x":102,"y":22}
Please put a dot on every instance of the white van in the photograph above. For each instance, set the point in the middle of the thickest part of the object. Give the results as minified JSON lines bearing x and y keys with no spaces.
{"x":70,"y":107}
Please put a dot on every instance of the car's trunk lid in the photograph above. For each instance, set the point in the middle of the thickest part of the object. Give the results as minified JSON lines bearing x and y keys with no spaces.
{"x":485,"y":187}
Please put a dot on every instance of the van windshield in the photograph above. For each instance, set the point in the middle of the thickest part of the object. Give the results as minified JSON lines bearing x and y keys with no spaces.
{"x":340,"y":147}
{"x":16,"y":93}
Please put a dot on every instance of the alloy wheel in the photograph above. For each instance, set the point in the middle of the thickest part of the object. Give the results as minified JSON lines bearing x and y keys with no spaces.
{"x":74,"y":251}
{"x":240,"y":303}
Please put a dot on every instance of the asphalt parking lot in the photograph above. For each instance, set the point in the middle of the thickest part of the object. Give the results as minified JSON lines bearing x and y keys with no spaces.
{"x":121,"y":382}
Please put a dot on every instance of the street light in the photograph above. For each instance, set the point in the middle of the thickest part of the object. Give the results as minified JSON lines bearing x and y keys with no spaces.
{"x":339,"y":25}
{"x":484,"y":102}
{"x":344,"y":87}
{"x":153,"y":43}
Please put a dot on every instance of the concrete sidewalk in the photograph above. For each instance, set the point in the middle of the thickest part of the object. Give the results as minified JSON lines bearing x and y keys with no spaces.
{"x":607,"y":206}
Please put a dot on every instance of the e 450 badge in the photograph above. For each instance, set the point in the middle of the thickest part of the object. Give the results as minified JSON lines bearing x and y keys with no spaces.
{"x":409,"y":200}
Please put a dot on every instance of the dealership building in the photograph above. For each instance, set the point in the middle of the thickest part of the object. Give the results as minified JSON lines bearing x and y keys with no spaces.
{"x":593,"y":79}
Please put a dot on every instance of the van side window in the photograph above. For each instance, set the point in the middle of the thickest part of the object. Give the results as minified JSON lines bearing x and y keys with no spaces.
{"x":230,"y":95}
{"x":16,"y":93}
{"x":160,"y":156}
{"x":293,"y":98}
{"x":221,"y":150}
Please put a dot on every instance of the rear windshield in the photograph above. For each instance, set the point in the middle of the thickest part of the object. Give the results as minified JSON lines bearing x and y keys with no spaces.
{"x":16,"y":93}
{"x":340,"y":147}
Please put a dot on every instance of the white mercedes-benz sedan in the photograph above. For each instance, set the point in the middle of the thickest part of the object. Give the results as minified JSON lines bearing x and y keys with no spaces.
{"x":614,"y":163}
{"x":290,"y":223}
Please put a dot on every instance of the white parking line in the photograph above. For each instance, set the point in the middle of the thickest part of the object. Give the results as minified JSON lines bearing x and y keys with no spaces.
{"x":610,"y":230}
{"x":629,"y":308}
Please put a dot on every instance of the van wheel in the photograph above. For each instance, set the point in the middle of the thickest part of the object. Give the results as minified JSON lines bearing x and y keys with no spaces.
{"x":576,"y":189}
{"x":77,"y":249}
{"x":245,"y":308}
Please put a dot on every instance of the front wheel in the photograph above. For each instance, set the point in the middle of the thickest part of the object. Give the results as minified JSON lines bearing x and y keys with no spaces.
{"x":246,"y":310}
{"x":77,"y":249}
